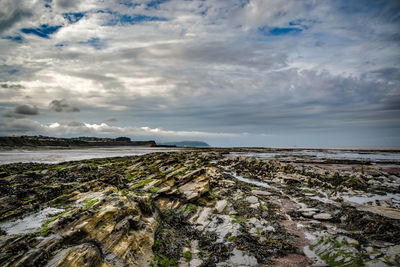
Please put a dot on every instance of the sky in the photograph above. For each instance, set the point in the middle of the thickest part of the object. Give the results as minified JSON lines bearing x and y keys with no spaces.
{"x":230,"y":73}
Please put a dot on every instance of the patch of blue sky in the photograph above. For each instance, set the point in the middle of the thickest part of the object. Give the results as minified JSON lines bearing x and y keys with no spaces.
{"x":47,"y":3}
{"x":7,"y":69}
{"x":73,"y":17}
{"x":204,"y":10}
{"x":156,"y":3}
{"x":44,"y":31}
{"x":277,"y":31}
{"x":60,"y":45}
{"x":13,"y":71}
{"x":129,"y":3}
{"x":17,"y":39}
{"x":135,"y":19}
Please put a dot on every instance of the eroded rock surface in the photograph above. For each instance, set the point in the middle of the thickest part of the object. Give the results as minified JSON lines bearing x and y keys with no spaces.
{"x":196,"y":209}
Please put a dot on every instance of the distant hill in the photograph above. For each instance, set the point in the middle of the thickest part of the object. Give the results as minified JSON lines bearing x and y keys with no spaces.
{"x":36,"y":141}
{"x":186,"y":144}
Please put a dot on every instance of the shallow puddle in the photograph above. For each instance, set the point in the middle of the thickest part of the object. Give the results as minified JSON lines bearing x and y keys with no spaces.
{"x":365,"y":199}
{"x":29,"y":224}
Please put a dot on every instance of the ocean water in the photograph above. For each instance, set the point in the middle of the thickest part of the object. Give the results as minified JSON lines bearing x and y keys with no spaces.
{"x":317,"y":155}
{"x":60,"y":155}
{"x":312,"y":155}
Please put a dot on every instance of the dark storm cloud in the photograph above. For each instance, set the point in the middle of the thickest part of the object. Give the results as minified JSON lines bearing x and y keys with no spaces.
{"x":62,"y":106}
{"x":27,"y":110}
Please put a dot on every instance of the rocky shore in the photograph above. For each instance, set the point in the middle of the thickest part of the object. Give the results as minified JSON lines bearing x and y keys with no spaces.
{"x":198,"y":208}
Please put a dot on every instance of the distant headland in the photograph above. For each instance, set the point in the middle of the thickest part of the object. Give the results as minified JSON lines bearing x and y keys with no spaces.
{"x":39,"y":140}
{"x":83,"y":141}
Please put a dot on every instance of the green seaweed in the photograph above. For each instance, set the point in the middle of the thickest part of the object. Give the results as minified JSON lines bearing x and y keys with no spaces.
{"x":89,"y":203}
{"x":191,"y":207}
{"x":141,"y":184}
{"x":188,"y":256}
{"x":154,"y":189}
{"x":165,"y":261}
{"x":309,"y":191}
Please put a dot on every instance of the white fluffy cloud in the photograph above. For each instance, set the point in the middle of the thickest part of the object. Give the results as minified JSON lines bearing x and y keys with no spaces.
{"x":75,"y":128}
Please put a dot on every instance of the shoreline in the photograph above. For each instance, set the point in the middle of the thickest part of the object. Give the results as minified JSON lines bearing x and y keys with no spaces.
{"x":297,"y":155}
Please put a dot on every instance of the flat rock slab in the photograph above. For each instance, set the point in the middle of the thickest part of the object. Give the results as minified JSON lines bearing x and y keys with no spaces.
{"x":195,"y":188}
{"x":240,"y":259}
{"x":261,"y":193}
{"x":221,"y":205}
{"x":252,"y":199}
{"x":309,"y":210}
{"x":308,"y":214}
{"x":322,"y":216}
{"x":195,"y":263}
{"x":383,"y":211}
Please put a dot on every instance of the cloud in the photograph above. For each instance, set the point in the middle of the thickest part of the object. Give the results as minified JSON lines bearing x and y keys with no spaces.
{"x":20,"y":126}
{"x":387,"y":74}
{"x":66,"y":4}
{"x":112,"y":119}
{"x":21,"y":111}
{"x":12,"y":114}
{"x":119,"y":19}
{"x":62,"y":106}
{"x":75,"y":124}
{"x":27,"y":110}
{"x":256,"y":66}
{"x":75,"y":128}
{"x":12,"y":12}
{"x":156,"y":3}
{"x":11,"y":86}
{"x":17,"y":38}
